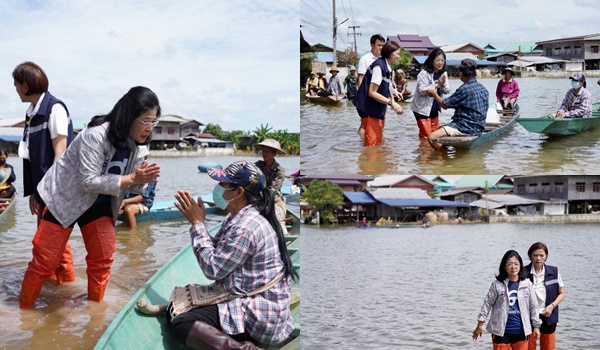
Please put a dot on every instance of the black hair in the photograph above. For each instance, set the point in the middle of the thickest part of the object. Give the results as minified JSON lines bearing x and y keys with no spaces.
{"x":265,"y":203}
{"x":502,"y":275}
{"x":428,"y":64}
{"x":376,"y":37}
{"x":32,"y":74}
{"x":137,"y":101}
{"x":3,"y":153}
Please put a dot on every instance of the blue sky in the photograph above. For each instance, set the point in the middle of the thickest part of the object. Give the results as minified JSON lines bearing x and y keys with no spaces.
{"x":233,"y":63}
{"x":450,"y":22}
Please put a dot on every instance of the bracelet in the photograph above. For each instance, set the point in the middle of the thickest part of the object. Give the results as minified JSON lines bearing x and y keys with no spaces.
{"x":554,"y":306}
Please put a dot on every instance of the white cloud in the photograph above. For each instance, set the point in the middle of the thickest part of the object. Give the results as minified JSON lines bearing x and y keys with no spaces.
{"x":225,"y":62}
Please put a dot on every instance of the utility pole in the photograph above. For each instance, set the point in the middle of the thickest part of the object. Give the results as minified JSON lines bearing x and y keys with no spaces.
{"x":334,"y":35}
{"x":354,"y":28}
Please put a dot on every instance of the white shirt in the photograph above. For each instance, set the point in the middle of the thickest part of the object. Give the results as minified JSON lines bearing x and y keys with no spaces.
{"x":58,"y":123}
{"x":539,"y":288}
{"x":365,"y":62}
{"x":377,"y":76}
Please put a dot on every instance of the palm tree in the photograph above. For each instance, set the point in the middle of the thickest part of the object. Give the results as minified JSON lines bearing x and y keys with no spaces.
{"x":262,"y":133}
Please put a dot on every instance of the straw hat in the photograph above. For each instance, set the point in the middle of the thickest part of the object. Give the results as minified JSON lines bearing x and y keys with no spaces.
{"x":508,"y":69}
{"x":271,"y":144}
{"x":334,"y":68}
{"x":4,"y":175}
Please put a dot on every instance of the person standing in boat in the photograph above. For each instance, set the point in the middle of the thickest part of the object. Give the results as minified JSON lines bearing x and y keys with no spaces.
{"x":350,"y":83}
{"x":247,"y":253}
{"x":312,"y":84}
{"x":513,"y":307}
{"x":47,"y":134}
{"x":548,"y":288}
{"x":377,"y":42}
{"x":334,"y":87}
{"x":374,"y":94}
{"x":273,"y":171}
{"x":424,"y":106}
{"x":578,"y":100}
{"x":470,"y":102}
{"x":507,"y":90}
{"x":87,"y":185}
{"x":7,"y":189}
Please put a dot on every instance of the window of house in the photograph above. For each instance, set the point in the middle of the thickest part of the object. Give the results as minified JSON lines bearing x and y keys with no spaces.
{"x":594,"y":48}
{"x":532,"y":188}
{"x":521,"y":189}
{"x":171,"y":131}
{"x":548,"y":52}
{"x":558,"y":187}
{"x":596,"y":187}
{"x":567,"y":50}
{"x":577,"y":50}
{"x":546,"y":187}
{"x":158,"y":130}
{"x":580,"y":186}
{"x":556,"y":51}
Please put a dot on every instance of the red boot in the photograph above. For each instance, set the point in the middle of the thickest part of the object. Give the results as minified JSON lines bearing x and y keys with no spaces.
{"x":100,"y":243}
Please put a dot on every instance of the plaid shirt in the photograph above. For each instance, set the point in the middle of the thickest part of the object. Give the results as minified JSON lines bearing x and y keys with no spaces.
{"x":577,"y":106}
{"x":244,"y":255}
{"x":470,"y":101}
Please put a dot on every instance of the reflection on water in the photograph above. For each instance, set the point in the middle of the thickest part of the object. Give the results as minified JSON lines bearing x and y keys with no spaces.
{"x":330,"y":143}
{"x":415,"y":288}
{"x":60,"y":320}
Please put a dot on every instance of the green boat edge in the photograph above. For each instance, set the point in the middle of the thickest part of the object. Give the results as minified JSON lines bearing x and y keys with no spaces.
{"x":564,"y":126}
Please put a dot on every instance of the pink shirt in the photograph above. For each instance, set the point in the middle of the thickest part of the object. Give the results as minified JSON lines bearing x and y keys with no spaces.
{"x":509,"y":89}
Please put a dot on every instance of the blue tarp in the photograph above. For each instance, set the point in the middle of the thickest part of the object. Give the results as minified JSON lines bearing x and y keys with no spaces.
{"x":359,"y":197}
{"x":11,"y":138}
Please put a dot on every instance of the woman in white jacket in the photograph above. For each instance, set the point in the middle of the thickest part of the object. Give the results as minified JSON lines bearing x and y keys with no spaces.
{"x":424,"y":106}
{"x":513,"y":307}
{"x":86,"y":186}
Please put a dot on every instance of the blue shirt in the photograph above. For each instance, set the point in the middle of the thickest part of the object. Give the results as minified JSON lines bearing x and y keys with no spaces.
{"x":117,"y":166}
{"x":436,"y":77}
{"x":514,"y":324}
{"x":470,"y":102}
{"x":148,"y":195}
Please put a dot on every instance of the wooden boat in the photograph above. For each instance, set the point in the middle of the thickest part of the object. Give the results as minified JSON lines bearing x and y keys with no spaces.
{"x":327,"y":100}
{"x":562,"y":126}
{"x":11,"y":204}
{"x":389,"y":226}
{"x":492,"y":131}
{"x":133,"y":330}
{"x":203,"y":167}
{"x":289,"y":195}
{"x":166,"y":210}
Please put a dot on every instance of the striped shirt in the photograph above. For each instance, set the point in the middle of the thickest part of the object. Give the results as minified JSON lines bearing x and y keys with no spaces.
{"x":577,"y":106}
{"x":470,"y":102}
{"x":244,"y":255}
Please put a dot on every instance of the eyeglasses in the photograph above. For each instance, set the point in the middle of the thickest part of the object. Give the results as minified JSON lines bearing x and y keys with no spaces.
{"x":439,"y":61}
{"x":512,"y":264}
{"x":148,"y":125}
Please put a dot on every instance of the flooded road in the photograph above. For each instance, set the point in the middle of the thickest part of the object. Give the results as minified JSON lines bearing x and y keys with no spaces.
{"x":57,"y":321}
{"x":330,"y":143}
{"x":414,"y":288}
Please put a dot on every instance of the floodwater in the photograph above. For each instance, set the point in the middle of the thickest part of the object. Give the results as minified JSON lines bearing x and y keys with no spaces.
{"x":414,"y":288}
{"x":330,"y":143}
{"x":57,"y":321}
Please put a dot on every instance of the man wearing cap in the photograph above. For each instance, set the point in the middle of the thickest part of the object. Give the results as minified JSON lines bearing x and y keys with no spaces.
{"x":578,"y":100}
{"x":248,"y":252}
{"x":507,"y":90}
{"x":274,"y":172}
{"x":350,"y":83}
{"x":312,"y":84}
{"x":470,"y":102}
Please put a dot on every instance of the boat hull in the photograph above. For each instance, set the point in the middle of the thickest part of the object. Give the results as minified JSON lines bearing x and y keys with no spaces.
{"x":11,"y":204}
{"x":562,"y":126}
{"x":203,"y":167}
{"x":166,"y":210}
{"x":133,"y":330}
{"x":327,"y":100}
{"x":492,"y":131}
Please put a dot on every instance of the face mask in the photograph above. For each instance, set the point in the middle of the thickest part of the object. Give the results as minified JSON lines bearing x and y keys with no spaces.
{"x":218,"y":197}
{"x":574,"y":84}
{"x":2,"y":162}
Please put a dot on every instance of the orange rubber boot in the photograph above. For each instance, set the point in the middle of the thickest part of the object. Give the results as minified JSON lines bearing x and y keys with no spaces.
{"x":65,"y":272}
{"x":100,"y":243}
{"x":548,"y":341}
{"x":49,"y":243}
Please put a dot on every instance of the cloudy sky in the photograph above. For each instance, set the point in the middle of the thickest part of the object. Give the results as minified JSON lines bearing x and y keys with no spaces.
{"x":233,"y":63}
{"x":450,"y":22}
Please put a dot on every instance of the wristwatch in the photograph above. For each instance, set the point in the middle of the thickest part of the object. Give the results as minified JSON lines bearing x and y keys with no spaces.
{"x":390,"y":102}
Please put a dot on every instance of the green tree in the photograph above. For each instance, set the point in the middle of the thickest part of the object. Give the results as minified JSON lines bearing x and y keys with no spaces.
{"x":306,"y":60}
{"x":404,"y":61}
{"x":215,"y":130}
{"x":323,"y":196}
{"x":262,"y":132}
{"x":347,"y":58}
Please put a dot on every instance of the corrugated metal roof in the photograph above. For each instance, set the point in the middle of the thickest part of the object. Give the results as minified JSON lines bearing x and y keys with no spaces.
{"x":381,"y":193}
{"x":421,"y":203}
{"x":8,"y":122}
{"x":390,"y":180}
{"x":478,"y":181}
{"x":11,"y":134}
{"x":359,"y":197}
{"x":456,"y":62}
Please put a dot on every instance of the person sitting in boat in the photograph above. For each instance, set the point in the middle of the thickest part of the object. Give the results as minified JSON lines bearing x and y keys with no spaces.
{"x":507,"y":90}
{"x":273,"y":171}
{"x":350,"y":83}
{"x":578,"y":100}
{"x":247,"y":253}
{"x":322,"y":83}
{"x":137,"y":204}
{"x":470,"y":102}
{"x":401,"y":85}
{"x":335,"y":84}
{"x":312,"y":84}
{"x":7,"y":177}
